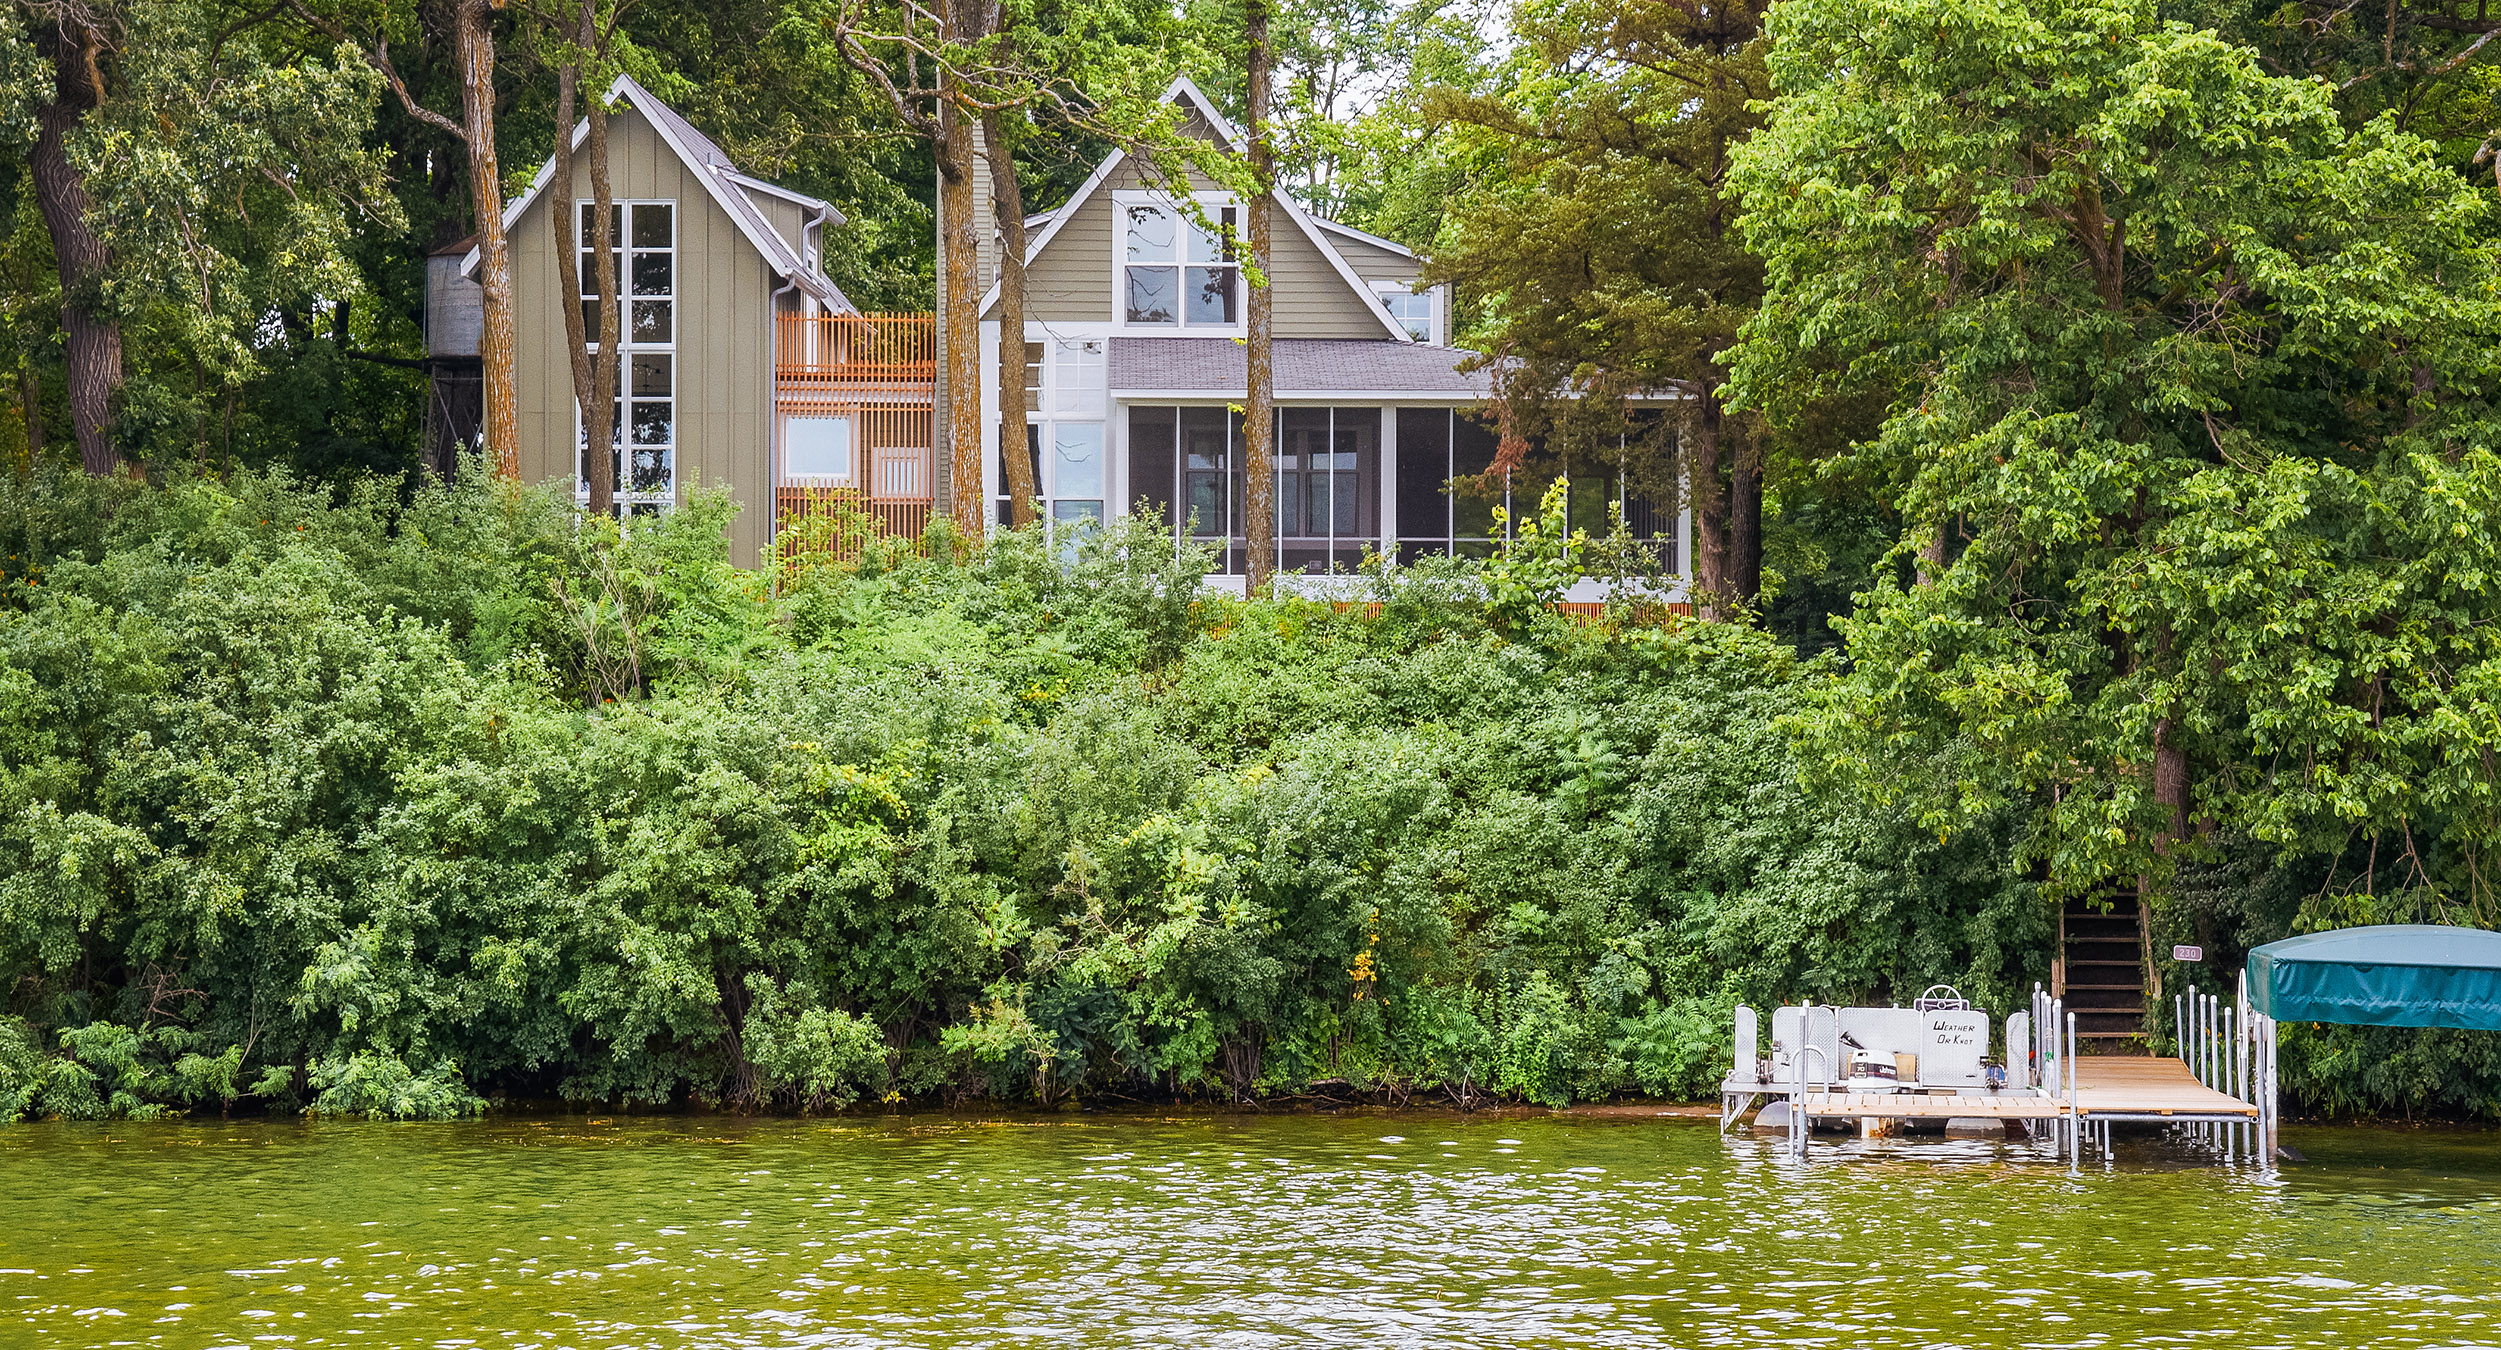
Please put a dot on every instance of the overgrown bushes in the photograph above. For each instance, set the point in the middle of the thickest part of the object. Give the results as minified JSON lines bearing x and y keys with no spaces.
{"x":375,"y":808}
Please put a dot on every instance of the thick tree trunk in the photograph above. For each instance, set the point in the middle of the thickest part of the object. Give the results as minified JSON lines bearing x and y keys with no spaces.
{"x":1007,"y":196}
{"x":91,"y":339}
{"x":475,"y":40}
{"x":594,"y":372}
{"x":959,"y":307}
{"x":1259,"y":405}
{"x":1710,"y":513}
{"x":1745,"y":520}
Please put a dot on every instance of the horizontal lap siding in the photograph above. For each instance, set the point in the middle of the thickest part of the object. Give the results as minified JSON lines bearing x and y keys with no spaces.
{"x":1372,"y":262}
{"x":1071,"y":281}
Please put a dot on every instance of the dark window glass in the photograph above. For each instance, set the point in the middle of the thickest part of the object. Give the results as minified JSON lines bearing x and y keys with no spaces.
{"x":1209,"y":438}
{"x":652,"y":423}
{"x":1354,"y":469}
{"x":655,"y":273}
{"x":1152,"y":439}
{"x":1423,"y":474}
{"x":616,"y":224}
{"x":651,"y":375}
{"x":1471,"y":506}
{"x":1302,"y":472}
{"x":652,"y":224}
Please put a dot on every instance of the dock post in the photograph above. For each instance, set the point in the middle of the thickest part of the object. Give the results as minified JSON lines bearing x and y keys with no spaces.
{"x":2075,"y":1119}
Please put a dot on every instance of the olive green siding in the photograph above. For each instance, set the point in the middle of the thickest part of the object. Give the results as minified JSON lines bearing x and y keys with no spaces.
{"x":788,"y":219}
{"x":724,"y":337}
{"x":1071,"y":280}
{"x":1371,"y":261}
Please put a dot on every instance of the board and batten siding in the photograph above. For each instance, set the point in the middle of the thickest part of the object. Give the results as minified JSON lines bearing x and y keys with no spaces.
{"x":1071,"y":280}
{"x":724,"y":336}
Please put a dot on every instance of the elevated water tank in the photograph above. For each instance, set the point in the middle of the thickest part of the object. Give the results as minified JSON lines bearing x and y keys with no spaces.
{"x":455,"y":307}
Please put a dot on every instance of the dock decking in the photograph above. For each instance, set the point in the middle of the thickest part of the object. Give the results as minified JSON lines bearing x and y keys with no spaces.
{"x":2127,"y":1086}
{"x":2108,"y":1087}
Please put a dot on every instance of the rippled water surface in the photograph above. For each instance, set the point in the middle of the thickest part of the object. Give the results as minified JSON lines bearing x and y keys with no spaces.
{"x":1226,"y":1231}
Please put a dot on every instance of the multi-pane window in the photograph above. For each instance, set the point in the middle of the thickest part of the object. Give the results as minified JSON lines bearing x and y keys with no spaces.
{"x":1412,"y":309}
{"x":1189,"y":464}
{"x":644,"y":419}
{"x":1065,"y":397}
{"x":1176,"y":272}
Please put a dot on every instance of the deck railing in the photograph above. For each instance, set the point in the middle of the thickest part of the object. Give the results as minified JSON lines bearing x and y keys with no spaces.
{"x":877,"y":374}
{"x":831,"y":354}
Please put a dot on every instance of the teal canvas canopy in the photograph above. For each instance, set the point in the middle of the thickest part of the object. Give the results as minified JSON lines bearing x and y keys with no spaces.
{"x":2394,"y":975}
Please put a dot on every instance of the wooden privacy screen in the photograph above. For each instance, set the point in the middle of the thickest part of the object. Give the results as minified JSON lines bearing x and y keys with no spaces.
{"x":853,"y":400}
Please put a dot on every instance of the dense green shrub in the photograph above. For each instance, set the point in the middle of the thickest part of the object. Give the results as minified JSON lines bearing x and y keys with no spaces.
{"x":372,"y":806}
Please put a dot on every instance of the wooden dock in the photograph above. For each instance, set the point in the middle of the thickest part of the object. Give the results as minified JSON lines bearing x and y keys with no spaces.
{"x":2108,"y":1087}
{"x":2140,"y":1088}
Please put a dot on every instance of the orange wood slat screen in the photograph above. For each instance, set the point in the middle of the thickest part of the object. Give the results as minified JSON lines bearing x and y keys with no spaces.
{"x":853,"y":456}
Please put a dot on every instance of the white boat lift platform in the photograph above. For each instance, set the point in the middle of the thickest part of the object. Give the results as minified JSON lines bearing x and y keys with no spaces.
{"x":2220,"y":1091}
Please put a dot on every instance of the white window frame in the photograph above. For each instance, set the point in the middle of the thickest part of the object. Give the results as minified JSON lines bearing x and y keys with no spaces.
{"x":627,"y":349}
{"x":1211,"y":204}
{"x":1431,"y":295}
{"x":1074,"y":371}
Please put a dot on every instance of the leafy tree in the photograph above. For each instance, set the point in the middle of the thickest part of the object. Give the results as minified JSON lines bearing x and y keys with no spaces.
{"x":1600,"y":240}
{"x":2194,"y":443}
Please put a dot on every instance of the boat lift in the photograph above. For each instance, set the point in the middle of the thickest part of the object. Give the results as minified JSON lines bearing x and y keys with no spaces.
{"x":1931,"y":1061}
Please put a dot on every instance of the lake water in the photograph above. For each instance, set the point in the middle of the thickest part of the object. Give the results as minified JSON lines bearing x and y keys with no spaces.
{"x":1360,"y":1229}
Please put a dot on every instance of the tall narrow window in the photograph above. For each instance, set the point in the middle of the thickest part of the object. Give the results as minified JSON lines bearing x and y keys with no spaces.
{"x":1174,"y":271}
{"x":645,"y":414}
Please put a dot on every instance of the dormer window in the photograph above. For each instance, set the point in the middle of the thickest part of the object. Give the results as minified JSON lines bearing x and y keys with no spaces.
{"x":1174,"y":271}
{"x":1413,"y":309}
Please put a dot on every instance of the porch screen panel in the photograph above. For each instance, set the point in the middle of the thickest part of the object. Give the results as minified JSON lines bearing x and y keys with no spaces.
{"x":1423,"y":482}
{"x":1354,"y":476}
{"x":1154,"y":470}
{"x":1211,"y":480}
{"x":1472,"y":445}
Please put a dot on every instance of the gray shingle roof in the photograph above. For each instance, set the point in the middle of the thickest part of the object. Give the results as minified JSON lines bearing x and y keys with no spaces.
{"x":1305,"y":367}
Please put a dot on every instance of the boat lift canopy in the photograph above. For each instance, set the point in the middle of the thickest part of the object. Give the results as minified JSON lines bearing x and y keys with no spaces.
{"x":2392,"y":975}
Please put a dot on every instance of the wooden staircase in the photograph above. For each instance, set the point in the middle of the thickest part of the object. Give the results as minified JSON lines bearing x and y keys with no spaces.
{"x":2101,"y":968}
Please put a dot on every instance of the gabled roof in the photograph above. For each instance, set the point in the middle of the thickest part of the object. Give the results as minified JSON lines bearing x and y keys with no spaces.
{"x":728,"y":188}
{"x":1184,"y":91}
{"x":1376,"y":241}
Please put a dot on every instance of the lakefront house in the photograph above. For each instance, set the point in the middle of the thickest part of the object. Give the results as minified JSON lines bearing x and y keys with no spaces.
{"x":744,"y":365}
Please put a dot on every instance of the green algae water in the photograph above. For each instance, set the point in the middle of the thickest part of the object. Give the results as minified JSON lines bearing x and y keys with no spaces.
{"x":1360,"y":1229}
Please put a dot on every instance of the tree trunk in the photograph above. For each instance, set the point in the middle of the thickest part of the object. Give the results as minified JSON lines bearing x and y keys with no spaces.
{"x":1007,"y":196}
{"x":30,"y":405}
{"x":475,"y":41}
{"x":959,"y":306}
{"x":1710,"y":513}
{"x":91,"y":339}
{"x":594,"y":372}
{"x":1745,"y":520}
{"x":1259,"y":403}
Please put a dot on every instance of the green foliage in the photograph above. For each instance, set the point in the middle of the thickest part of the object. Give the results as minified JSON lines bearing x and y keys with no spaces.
{"x":377,"y":1086}
{"x":302,"y":805}
{"x":2194,"y":448}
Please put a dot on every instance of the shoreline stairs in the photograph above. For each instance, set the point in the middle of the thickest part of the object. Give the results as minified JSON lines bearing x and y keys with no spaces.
{"x":2102,"y":971}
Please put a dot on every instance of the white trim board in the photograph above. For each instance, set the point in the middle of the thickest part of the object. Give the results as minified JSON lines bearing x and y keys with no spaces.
{"x":1181,"y":87}
{"x":778,"y":253}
